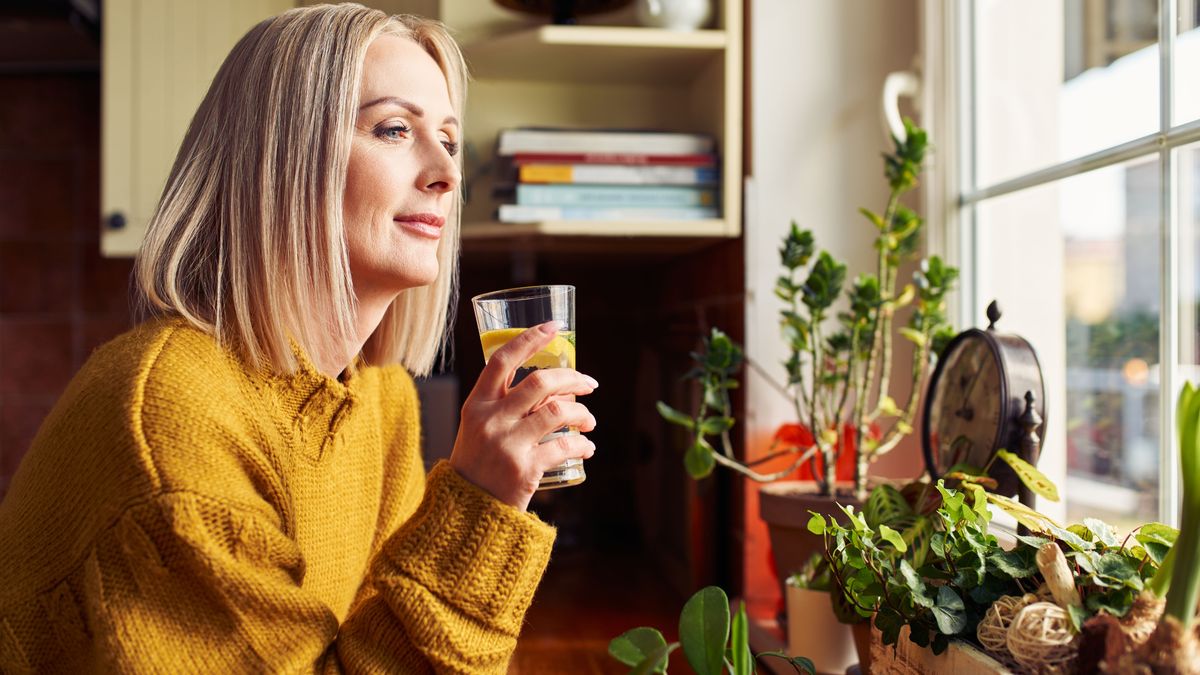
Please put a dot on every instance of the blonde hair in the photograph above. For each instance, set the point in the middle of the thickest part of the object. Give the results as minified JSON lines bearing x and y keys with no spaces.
{"x":248,"y":241}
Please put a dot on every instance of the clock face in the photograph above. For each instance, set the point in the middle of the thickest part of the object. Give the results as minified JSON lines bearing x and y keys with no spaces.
{"x":966,"y":406}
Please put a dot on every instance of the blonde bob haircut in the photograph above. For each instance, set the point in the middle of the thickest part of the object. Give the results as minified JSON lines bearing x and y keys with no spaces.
{"x":248,"y":241}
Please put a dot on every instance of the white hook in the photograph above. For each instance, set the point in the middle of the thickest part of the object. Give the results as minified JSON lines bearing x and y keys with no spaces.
{"x":895,"y":85}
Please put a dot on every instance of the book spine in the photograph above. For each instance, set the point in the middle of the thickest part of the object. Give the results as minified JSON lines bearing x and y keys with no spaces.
{"x":636,"y":159}
{"x":514,"y":213}
{"x":513,"y":141}
{"x":616,"y":174}
{"x":610,"y":195}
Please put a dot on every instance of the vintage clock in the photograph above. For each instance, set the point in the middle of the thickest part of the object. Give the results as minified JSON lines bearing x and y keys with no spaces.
{"x":986,"y":394}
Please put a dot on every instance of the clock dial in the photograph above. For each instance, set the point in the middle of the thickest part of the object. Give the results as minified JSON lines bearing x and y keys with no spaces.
{"x":966,"y":406}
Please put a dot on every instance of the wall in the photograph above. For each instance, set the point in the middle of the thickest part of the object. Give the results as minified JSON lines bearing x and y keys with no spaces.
{"x":58,"y":298}
{"x":816,"y":73}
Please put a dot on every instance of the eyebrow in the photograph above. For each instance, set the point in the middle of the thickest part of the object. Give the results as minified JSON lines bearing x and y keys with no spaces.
{"x":407,"y":105}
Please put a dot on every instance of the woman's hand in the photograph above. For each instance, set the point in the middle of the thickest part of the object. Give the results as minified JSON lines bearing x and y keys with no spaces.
{"x":498,"y":437}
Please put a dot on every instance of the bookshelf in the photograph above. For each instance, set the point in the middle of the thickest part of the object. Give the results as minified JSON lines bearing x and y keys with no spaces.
{"x":596,"y":76}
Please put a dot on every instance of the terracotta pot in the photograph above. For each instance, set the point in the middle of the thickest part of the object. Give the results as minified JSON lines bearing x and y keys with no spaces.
{"x":862,"y":644}
{"x":785,"y":507}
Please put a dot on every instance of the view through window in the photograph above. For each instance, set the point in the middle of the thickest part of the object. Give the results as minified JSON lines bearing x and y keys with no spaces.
{"x":1082,"y":202}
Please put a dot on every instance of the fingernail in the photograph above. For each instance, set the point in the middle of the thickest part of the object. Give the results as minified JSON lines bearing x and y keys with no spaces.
{"x":549,"y":327}
{"x":591,"y":381}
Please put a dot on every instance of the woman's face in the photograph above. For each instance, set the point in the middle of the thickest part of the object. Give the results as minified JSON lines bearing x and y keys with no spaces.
{"x":402,"y":177}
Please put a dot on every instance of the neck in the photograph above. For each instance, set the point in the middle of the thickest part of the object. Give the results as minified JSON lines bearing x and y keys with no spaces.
{"x":370,"y":313}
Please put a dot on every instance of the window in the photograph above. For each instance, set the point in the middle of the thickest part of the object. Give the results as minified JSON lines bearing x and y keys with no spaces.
{"x":1076,"y":205}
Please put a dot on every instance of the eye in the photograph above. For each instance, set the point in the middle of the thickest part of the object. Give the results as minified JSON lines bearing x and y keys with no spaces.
{"x":393,"y":132}
{"x":451,"y":147}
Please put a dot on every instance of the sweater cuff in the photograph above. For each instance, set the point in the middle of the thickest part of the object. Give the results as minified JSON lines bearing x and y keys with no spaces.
{"x":470,"y":550}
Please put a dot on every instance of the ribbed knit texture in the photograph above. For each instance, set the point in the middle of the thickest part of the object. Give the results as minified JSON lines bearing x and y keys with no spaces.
{"x":179,"y":513}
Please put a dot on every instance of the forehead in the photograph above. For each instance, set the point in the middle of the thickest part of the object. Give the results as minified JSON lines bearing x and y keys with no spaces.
{"x":397,"y":66}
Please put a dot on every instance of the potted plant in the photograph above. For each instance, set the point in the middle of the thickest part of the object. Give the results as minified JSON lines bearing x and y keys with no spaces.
{"x":713,"y":641}
{"x":838,"y":373}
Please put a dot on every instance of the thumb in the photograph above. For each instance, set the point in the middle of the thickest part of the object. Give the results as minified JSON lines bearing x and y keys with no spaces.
{"x":500,"y":368}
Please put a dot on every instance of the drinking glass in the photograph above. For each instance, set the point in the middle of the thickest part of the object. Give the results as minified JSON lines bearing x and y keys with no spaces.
{"x":503,"y":315}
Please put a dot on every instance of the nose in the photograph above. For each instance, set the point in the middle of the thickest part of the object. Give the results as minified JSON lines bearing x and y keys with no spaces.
{"x":440,"y":172}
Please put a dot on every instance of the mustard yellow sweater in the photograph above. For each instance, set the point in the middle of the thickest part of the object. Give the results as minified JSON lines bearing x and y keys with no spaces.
{"x":179,"y":513}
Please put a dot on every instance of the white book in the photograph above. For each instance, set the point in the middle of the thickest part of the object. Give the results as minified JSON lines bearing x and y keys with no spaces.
{"x":515,"y":141}
{"x":514,"y":213}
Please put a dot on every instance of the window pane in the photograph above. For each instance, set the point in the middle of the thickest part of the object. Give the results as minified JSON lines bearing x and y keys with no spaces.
{"x":1084,"y":78}
{"x":1187,"y":159}
{"x":1075,"y":267}
{"x":1187,"y":61}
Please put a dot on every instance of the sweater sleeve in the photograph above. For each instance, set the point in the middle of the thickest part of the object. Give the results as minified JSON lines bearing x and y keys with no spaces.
{"x":184,"y":583}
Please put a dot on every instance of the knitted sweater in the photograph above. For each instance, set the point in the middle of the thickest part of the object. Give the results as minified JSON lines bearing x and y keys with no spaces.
{"x":178,"y":512}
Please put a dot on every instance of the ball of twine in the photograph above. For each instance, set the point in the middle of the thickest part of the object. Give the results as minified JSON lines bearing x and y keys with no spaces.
{"x":1040,"y":638}
{"x":992,"y":631}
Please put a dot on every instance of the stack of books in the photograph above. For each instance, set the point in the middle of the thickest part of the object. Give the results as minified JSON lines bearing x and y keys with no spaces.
{"x":568,"y":174}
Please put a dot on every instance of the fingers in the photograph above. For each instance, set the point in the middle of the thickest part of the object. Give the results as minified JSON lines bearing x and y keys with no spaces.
{"x":500,"y":368}
{"x":546,"y":383}
{"x":555,"y":415}
{"x":560,"y":449}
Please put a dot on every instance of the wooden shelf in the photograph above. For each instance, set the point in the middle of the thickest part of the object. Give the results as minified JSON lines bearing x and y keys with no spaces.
{"x":597,"y":54}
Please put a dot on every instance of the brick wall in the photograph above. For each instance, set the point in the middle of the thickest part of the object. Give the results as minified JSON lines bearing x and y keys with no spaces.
{"x":59,"y":298}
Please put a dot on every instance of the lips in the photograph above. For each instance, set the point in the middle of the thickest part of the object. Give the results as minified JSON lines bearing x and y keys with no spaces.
{"x":427,"y":225}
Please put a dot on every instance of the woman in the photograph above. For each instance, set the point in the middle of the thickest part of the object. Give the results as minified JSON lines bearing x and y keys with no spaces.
{"x":236,"y":484}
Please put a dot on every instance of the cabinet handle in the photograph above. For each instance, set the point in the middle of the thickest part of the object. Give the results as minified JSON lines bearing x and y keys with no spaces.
{"x":116,"y":221}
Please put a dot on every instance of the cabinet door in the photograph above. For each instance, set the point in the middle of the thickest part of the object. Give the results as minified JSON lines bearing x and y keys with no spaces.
{"x":159,"y":57}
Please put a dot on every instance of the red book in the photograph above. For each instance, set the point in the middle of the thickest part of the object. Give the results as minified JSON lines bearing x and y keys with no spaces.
{"x":613,"y":158}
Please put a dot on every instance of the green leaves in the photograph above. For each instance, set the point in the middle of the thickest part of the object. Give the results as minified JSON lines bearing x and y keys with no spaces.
{"x":674,"y":416}
{"x":1032,"y":478}
{"x":704,"y":629}
{"x":739,"y":648}
{"x":949,"y":611}
{"x":699,"y":460}
{"x":641,"y":645}
{"x":824,"y":284}
{"x":797,"y":248}
{"x":902,"y":166}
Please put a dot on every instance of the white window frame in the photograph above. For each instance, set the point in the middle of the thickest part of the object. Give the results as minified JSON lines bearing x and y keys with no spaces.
{"x":952,"y":195}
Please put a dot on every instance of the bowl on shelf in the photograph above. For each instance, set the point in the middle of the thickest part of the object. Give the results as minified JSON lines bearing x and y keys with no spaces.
{"x":563,"y":11}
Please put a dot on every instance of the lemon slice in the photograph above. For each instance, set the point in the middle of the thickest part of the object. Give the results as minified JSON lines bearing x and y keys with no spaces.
{"x":560,"y":353}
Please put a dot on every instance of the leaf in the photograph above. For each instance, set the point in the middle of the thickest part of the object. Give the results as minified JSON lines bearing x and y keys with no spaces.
{"x":829,"y":438}
{"x":949,"y":612}
{"x":704,"y":630}
{"x":1157,"y":533}
{"x":674,"y":416}
{"x":916,"y":585}
{"x":742,"y":659}
{"x":816,"y":524}
{"x":889,"y":623}
{"x":904,"y":427}
{"x":1102,"y":531}
{"x":655,"y":662}
{"x":698,"y":460}
{"x":1024,"y":515}
{"x":633,"y":646}
{"x":886,"y":504}
{"x":1078,"y":616}
{"x":1116,"y":568}
{"x":716,"y":425}
{"x":893,"y":537}
{"x":914,"y":336}
{"x":1019,"y":563}
{"x":887,"y":406}
{"x":1032,"y":478}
